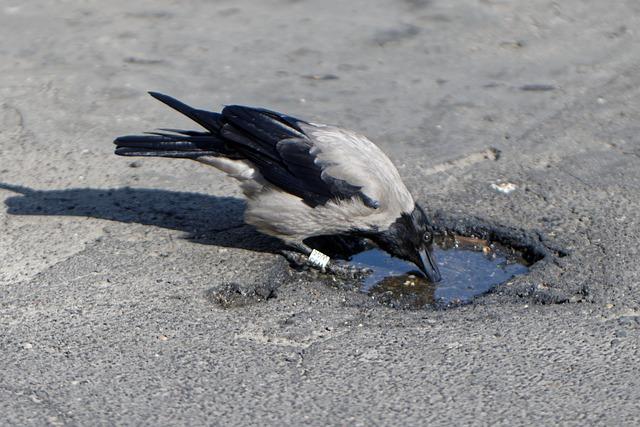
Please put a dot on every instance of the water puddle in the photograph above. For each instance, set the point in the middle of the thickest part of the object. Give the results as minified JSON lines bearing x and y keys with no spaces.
{"x":469,"y":267}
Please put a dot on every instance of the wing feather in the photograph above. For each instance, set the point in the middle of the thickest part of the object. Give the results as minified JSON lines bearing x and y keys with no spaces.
{"x":346,"y":156}
{"x":292,"y":156}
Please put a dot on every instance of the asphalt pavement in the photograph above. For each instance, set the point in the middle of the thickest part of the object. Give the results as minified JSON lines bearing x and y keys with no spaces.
{"x":131,"y":293}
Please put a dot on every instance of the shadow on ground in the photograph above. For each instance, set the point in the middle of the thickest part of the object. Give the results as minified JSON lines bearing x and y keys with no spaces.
{"x":205,"y":219}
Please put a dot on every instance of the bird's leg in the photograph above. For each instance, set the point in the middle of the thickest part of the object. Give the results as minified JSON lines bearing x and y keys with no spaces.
{"x":314,"y":258}
{"x":296,"y":259}
{"x":297,"y":254}
{"x":348,"y":270}
{"x":319,"y":261}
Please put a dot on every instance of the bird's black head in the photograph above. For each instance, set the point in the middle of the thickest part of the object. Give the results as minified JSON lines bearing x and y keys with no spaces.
{"x":410,"y":237}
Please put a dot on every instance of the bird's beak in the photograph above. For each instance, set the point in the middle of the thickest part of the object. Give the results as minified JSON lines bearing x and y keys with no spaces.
{"x":428,"y":265}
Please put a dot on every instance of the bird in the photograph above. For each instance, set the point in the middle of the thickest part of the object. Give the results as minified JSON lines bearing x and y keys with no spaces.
{"x":301,"y":180}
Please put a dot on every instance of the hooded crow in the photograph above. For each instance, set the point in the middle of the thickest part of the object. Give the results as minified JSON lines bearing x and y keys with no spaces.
{"x":301,"y":179}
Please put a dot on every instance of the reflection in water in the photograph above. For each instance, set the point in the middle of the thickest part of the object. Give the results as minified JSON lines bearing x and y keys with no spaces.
{"x":469,"y":267}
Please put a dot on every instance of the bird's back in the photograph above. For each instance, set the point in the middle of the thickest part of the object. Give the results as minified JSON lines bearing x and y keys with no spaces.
{"x":353,"y":158}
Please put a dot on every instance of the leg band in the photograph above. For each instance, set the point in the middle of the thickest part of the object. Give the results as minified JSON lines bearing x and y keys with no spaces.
{"x":318,"y":259}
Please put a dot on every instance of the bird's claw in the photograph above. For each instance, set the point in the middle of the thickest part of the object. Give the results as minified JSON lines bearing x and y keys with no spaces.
{"x":348,"y":271}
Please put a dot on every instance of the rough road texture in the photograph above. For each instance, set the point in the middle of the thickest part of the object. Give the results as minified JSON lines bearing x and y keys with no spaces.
{"x":115,"y":274}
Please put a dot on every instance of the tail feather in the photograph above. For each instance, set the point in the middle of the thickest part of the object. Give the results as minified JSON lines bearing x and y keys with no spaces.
{"x":209,"y":120}
{"x":161,"y":144}
{"x":177,"y":154}
{"x":179,"y":143}
{"x":183,"y":132}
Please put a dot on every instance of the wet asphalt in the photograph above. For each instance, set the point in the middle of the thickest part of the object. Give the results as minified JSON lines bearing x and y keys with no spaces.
{"x":132,"y":294}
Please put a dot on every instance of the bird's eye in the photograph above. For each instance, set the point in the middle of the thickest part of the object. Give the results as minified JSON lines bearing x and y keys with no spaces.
{"x":427,"y":237}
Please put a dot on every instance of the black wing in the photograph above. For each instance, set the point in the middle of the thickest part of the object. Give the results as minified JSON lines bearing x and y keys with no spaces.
{"x":281,"y":151}
{"x":274,"y":142}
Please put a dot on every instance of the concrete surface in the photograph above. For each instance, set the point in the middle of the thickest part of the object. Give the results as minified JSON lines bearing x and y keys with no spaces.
{"x":111,"y":270}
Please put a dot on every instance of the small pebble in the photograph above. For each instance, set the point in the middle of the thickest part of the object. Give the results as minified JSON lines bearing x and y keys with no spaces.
{"x":505,"y":187}
{"x":163,"y":337}
{"x":27,"y":346}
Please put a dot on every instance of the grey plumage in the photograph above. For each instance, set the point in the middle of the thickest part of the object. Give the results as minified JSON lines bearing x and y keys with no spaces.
{"x":343,"y":155}
{"x":301,"y":179}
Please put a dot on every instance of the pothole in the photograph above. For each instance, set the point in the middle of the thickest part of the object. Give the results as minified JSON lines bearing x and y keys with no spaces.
{"x":474,"y":256}
{"x":470,"y":267}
